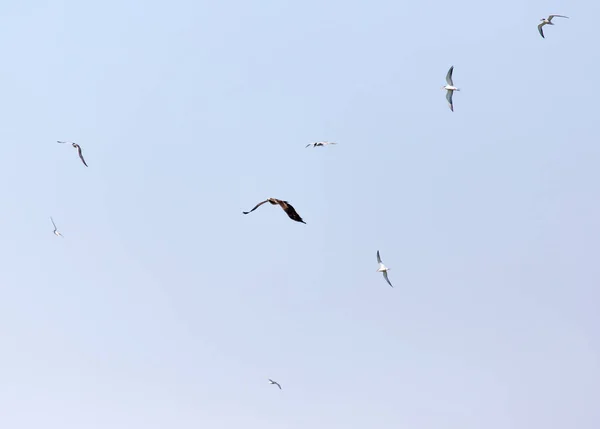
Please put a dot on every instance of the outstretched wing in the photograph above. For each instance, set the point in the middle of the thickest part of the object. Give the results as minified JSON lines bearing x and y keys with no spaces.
{"x":386,"y":278}
{"x":449,"y":98}
{"x":310,"y":144}
{"x":58,"y":141}
{"x":540,"y":29}
{"x":449,"y":76}
{"x":290,"y":210}
{"x":278,"y":385}
{"x":256,"y":206}
{"x":81,"y":155}
{"x":378,"y":258}
{"x":53,"y":224}
{"x":552,"y":16}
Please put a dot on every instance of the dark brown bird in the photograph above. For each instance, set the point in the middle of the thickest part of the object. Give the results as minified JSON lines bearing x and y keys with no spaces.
{"x":287,"y":207}
{"x":78,"y":150}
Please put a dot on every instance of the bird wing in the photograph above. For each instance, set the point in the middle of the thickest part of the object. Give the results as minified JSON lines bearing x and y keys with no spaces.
{"x":53,"y":224}
{"x":386,"y":278}
{"x":449,"y":98}
{"x":540,"y":29}
{"x":310,"y":144}
{"x":552,"y":16}
{"x":290,"y":210}
{"x":449,"y":76}
{"x":378,"y":258}
{"x":81,"y":155}
{"x":278,"y":385}
{"x":256,"y":206}
{"x":58,"y":141}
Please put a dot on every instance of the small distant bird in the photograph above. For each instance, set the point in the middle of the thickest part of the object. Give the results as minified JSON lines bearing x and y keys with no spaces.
{"x":315,"y":144}
{"x":58,"y":234}
{"x":547,"y":21}
{"x":383,"y":269}
{"x":275,"y":383}
{"x":287,"y":207}
{"x":450,"y":88}
{"x":78,"y":150}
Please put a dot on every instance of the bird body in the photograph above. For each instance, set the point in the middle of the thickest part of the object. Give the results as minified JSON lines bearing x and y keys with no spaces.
{"x":547,"y":21}
{"x":316,"y":144}
{"x":383,"y":269}
{"x":450,"y":88}
{"x":275,"y":383}
{"x":287,"y":207}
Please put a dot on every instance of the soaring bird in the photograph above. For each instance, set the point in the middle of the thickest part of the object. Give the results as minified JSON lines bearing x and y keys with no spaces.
{"x":287,"y":207}
{"x":58,"y":234}
{"x":450,"y":88}
{"x":547,"y":21}
{"x":275,"y":383}
{"x":316,"y":144}
{"x":383,"y":269}
{"x":78,"y":150}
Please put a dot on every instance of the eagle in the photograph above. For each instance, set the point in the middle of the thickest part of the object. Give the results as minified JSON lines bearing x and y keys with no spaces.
{"x":287,"y":207}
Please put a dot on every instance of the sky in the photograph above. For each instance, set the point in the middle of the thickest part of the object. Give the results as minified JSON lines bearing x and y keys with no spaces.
{"x":165,"y":307}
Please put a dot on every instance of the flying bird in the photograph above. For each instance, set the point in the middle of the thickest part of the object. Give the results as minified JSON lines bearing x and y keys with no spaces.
{"x":450,"y":88}
{"x":275,"y":383}
{"x":58,"y":234}
{"x":287,"y":207}
{"x":316,"y":144}
{"x":383,"y":269}
{"x":547,"y":21}
{"x":78,"y":150}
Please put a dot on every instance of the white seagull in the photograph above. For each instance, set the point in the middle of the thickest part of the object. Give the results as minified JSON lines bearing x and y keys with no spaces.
{"x":315,"y":144}
{"x":383,"y":269}
{"x":58,"y":234}
{"x":450,"y":88}
{"x":275,"y":383}
{"x":547,"y":21}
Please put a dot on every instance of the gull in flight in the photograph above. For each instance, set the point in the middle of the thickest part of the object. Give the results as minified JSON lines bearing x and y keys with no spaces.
{"x":78,"y":150}
{"x":58,"y":234}
{"x":316,"y":144}
{"x":275,"y":383}
{"x":450,"y":88}
{"x":287,"y":207}
{"x":383,"y":269}
{"x":547,"y":21}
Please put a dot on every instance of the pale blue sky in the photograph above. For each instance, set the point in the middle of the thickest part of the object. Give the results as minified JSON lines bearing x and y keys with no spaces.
{"x":165,"y":307}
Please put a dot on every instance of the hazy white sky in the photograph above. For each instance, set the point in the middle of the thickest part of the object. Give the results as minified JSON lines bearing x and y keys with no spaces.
{"x":165,"y":307}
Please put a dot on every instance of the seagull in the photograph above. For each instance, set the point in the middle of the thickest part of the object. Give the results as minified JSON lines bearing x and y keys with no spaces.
{"x":450,"y":88}
{"x":78,"y":150}
{"x":287,"y":207}
{"x":547,"y":21}
{"x":275,"y":383}
{"x":315,"y":144}
{"x":58,"y":234}
{"x":383,"y":269}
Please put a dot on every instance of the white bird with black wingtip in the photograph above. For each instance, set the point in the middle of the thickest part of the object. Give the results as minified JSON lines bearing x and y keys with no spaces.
{"x":58,"y":234}
{"x":548,"y":21}
{"x":383,"y":269}
{"x":275,"y":383}
{"x":318,"y":144}
{"x":450,"y":88}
